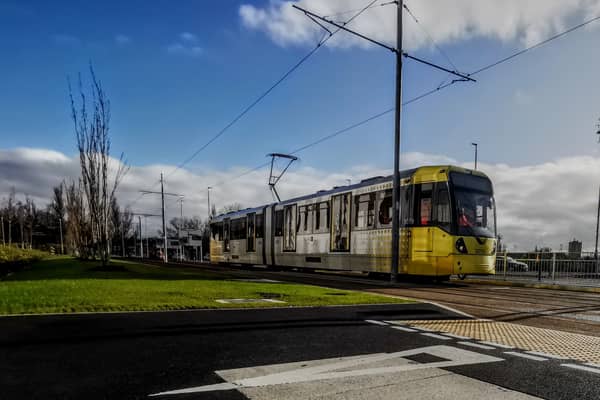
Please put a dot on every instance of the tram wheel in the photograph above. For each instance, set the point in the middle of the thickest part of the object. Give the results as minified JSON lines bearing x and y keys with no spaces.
{"x":462,"y":276}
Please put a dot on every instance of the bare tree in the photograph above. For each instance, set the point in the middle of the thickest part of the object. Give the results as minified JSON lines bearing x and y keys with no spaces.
{"x":10,"y":213}
{"x":79,"y":234}
{"x":93,"y":143}
{"x":30,"y":218}
{"x":230,"y":207}
{"x":122,"y":222}
{"x":58,"y":211}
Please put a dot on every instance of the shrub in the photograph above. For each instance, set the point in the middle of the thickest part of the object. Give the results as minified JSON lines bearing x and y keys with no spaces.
{"x":13,"y":259}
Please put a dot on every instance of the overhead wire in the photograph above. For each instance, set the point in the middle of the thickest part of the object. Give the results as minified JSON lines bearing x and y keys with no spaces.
{"x":358,"y":9}
{"x":268,"y":91}
{"x":429,"y":37}
{"x":543,"y":42}
{"x":441,"y":86}
{"x":262,"y":96}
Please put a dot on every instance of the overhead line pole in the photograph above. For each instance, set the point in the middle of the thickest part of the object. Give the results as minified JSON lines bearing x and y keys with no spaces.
{"x":164,"y":223}
{"x":395,"y":267}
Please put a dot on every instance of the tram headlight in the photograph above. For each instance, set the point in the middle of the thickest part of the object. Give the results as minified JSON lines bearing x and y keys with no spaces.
{"x":461,"y":246}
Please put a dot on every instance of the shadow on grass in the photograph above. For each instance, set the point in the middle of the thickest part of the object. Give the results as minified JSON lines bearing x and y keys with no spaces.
{"x":71,"y":268}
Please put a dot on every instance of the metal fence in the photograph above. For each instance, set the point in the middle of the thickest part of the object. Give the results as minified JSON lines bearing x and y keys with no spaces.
{"x":574,"y":269}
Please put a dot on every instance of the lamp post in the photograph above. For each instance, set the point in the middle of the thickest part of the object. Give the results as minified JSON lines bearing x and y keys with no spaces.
{"x":598,"y":212}
{"x":475,"y":145}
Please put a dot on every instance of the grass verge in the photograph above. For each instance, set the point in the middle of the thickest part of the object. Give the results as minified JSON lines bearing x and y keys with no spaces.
{"x":62,"y":284}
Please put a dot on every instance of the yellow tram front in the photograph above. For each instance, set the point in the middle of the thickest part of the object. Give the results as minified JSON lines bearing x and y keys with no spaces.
{"x":453,"y":229}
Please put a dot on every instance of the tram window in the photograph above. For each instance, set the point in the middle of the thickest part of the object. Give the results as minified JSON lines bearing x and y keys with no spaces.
{"x":289,"y":228}
{"x":340,"y":224}
{"x":234,"y":229}
{"x":442,"y":208}
{"x":322,"y":217}
{"x":364,"y":211}
{"x":279,"y":223}
{"x":423,"y":198}
{"x":260,"y":225}
{"x":385,"y":208}
{"x":305,"y":219}
{"x":250,"y":227}
{"x":238,"y":228}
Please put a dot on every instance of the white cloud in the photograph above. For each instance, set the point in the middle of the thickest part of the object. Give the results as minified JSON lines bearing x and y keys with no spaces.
{"x":188,"y":37}
{"x":447,"y":21}
{"x":186,"y":45}
{"x":544,"y":204}
{"x":122,"y":40}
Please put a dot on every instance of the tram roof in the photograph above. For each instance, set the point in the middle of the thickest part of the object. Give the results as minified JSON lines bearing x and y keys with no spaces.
{"x":339,"y":189}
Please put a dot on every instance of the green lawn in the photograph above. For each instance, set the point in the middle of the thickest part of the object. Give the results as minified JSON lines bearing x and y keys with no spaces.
{"x":62,"y":284}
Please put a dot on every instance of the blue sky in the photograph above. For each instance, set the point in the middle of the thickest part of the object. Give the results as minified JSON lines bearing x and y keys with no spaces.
{"x":167,"y":101}
{"x":176,"y":73}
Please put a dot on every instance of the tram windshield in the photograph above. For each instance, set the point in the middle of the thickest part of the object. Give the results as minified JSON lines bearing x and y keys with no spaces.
{"x":475,"y":207}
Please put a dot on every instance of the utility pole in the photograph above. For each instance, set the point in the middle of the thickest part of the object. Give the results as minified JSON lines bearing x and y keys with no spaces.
{"x":475,"y":145}
{"x":3,"y":239}
{"x":179,"y":228}
{"x":208,"y":197}
{"x":395,"y":267}
{"x":141,"y":240}
{"x":399,"y":52}
{"x":598,"y":212}
{"x":597,"y":225}
{"x":164,"y":223}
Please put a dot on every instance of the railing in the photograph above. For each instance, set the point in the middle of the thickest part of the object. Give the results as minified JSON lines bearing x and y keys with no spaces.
{"x":575,"y":269}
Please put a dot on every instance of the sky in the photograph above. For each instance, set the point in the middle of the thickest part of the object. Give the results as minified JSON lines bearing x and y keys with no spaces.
{"x":177,"y":74}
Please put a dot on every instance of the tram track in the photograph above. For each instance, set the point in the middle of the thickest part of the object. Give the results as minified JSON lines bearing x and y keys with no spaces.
{"x":544,"y":308}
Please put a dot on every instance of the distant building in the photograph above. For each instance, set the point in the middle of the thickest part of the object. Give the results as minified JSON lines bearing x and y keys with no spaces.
{"x":575,"y":248}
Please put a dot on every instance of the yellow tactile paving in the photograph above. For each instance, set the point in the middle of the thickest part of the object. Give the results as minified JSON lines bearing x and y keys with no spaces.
{"x":569,"y":345}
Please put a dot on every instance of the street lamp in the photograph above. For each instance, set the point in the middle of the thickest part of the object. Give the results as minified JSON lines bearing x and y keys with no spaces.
{"x":598,"y":212}
{"x":475,"y":145}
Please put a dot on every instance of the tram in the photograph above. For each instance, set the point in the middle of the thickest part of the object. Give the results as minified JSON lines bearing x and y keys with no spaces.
{"x":447,"y":226}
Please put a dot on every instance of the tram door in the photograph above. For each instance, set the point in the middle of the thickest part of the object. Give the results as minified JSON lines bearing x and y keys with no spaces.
{"x":251,"y":237}
{"x":340,"y":222}
{"x":422,"y":233}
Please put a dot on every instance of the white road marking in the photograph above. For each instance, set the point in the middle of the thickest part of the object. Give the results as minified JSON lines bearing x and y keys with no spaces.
{"x":458,"y":336}
{"x":582,"y":368}
{"x":345,"y":367}
{"x":372,"y":321}
{"x":402,"y":328}
{"x":539,"y":353}
{"x":479,"y":346}
{"x":199,"y":389}
{"x":424,"y":329}
{"x":433,"y":335}
{"x":593,"y":365}
{"x":503,"y":346}
{"x":527,"y":356}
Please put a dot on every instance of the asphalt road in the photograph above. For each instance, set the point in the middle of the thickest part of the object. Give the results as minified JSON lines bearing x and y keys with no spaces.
{"x":133,"y":355}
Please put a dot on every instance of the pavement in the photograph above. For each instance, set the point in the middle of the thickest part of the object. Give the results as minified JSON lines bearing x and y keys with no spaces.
{"x":347,"y":352}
